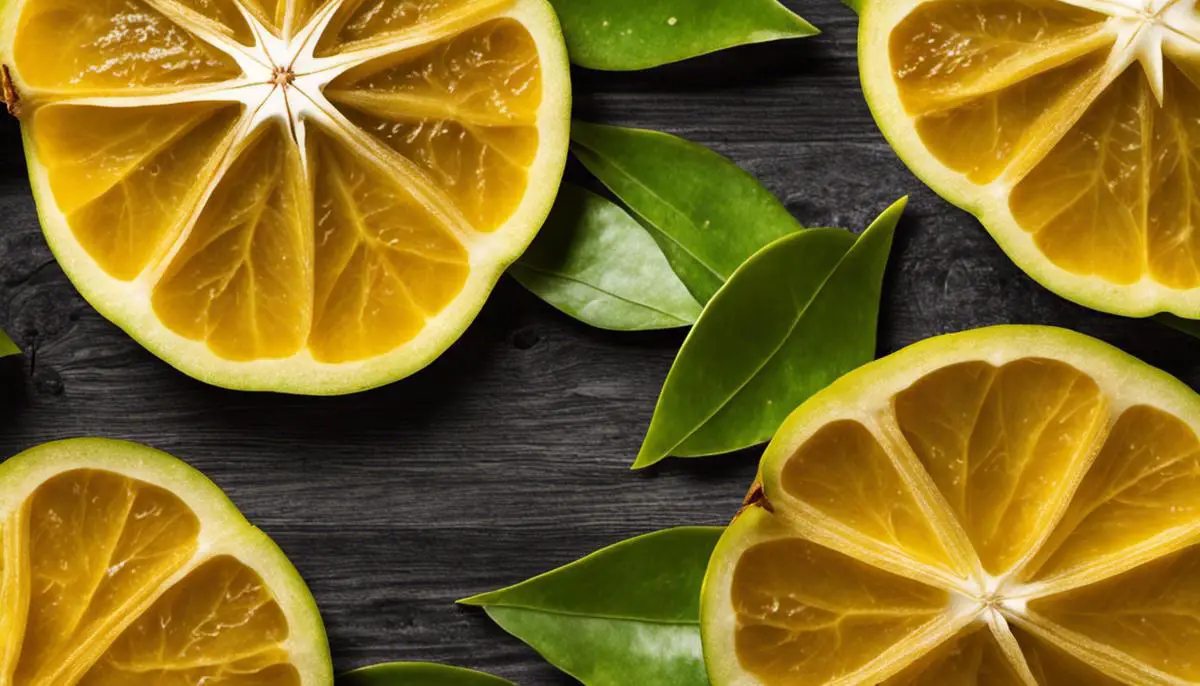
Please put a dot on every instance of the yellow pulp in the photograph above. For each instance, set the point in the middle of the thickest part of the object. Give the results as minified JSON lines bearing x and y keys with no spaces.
{"x":100,"y":586}
{"x":263,"y":243}
{"x":1026,"y":533}
{"x":1052,"y":107}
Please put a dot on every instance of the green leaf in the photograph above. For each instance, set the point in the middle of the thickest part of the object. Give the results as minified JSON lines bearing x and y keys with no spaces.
{"x":597,"y":264}
{"x":706,"y":214}
{"x":622,"y":35}
{"x":795,"y":317}
{"x":855,"y":5}
{"x":629,"y":614}
{"x":7,"y":347}
{"x":418,"y":674}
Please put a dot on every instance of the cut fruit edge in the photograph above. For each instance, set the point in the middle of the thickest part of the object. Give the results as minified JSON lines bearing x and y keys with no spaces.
{"x":223,"y":530}
{"x":989,"y":204}
{"x":864,"y":396}
{"x":128,"y":303}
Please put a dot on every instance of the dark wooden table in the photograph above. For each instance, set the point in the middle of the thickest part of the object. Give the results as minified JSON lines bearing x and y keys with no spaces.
{"x":509,"y":456}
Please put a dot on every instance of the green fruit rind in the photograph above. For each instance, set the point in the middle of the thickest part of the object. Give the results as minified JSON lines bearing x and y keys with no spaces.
{"x":1118,"y":374}
{"x":300,"y":374}
{"x":1143,"y":298}
{"x":223,"y":528}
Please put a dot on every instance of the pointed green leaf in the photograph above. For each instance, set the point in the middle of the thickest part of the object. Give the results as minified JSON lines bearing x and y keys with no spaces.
{"x":628,"y":614}
{"x":418,"y":674}
{"x":706,"y":214}
{"x":795,"y":317}
{"x":855,"y":5}
{"x":621,"y":35}
{"x":597,"y":264}
{"x":7,"y":347}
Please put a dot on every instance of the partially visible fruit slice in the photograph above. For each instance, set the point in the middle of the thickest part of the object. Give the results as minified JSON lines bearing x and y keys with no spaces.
{"x":1067,"y":126}
{"x":121,"y":565}
{"x":1014,"y":505}
{"x":290,"y":195}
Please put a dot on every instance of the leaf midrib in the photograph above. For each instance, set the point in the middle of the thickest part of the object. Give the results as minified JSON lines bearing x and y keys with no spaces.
{"x":584,"y":615}
{"x":615,"y":296}
{"x":665,"y":202}
{"x":773,"y":354}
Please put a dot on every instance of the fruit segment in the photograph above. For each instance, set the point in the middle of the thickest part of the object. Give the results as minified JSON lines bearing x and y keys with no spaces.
{"x":1052,"y":666}
{"x":843,"y":473}
{"x":1151,"y":614}
{"x":385,"y":263}
{"x":219,"y":626}
{"x":465,"y":112}
{"x":807,"y":615}
{"x":126,"y":177}
{"x":985,"y":136}
{"x":1173,"y":208}
{"x":226,"y":14}
{"x":973,"y":658}
{"x":361,"y":22}
{"x":242,"y":280}
{"x":947,"y":51}
{"x":1003,"y":446}
{"x":1086,"y":202}
{"x":1141,"y":492}
{"x":99,"y":546}
{"x":111,"y":46}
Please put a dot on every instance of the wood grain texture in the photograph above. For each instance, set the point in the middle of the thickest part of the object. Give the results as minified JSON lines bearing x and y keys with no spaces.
{"x":510,"y":455}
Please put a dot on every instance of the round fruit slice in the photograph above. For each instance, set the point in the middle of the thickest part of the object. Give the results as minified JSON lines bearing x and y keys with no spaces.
{"x":122,"y":566}
{"x":294,"y":195}
{"x":1069,"y":127}
{"x":1015,"y":505}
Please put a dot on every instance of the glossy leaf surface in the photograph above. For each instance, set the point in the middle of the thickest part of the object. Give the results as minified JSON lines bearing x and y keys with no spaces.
{"x":619,"y":35}
{"x":706,"y":213}
{"x":418,"y":674}
{"x":795,"y":317}
{"x":628,"y":614}
{"x":595,"y":263}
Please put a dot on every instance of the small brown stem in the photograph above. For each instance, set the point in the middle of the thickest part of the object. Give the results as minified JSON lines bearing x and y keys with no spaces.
{"x":11,"y":97}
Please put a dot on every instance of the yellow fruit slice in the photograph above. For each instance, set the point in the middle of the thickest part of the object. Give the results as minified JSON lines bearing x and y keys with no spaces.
{"x":1014,"y":505}
{"x":308,"y":196}
{"x":1069,"y":127}
{"x":122,"y":566}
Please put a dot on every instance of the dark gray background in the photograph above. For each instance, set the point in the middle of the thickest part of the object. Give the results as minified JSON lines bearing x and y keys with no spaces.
{"x":509,"y":456}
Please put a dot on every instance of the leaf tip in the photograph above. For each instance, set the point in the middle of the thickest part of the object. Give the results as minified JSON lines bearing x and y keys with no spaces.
{"x":478,"y":600}
{"x":646,"y":458}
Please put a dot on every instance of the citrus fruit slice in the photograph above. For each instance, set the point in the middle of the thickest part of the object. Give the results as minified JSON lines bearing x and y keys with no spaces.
{"x":1069,"y":127}
{"x":122,"y":566}
{"x":292,"y":195}
{"x":1014,"y":505}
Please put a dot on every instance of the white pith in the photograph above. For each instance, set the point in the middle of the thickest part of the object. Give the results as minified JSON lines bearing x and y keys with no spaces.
{"x":282,"y":84}
{"x":993,"y":603}
{"x":1142,"y":31}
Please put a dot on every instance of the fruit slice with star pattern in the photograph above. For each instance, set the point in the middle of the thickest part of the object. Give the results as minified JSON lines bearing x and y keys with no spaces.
{"x":289,"y":195}
{"x":121,"y":565}
{"x":1008,"y":506}
{"x":1068,"y":127}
